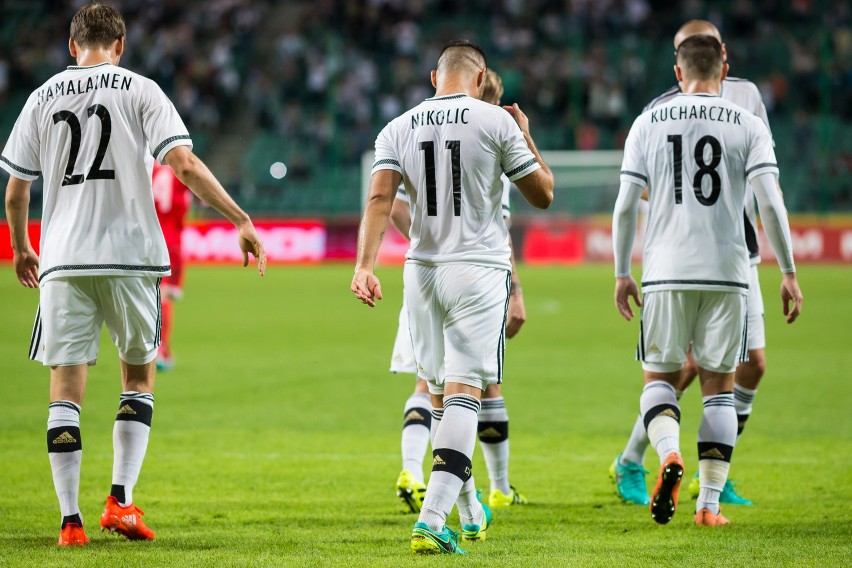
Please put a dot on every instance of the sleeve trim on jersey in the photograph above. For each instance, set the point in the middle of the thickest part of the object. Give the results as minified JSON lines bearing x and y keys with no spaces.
{"x":761,"y":166}
{"x":696,"y":282}
{"x":123,"y":267}
{"x":519,"y":169}
{"x":634,"y":174}
{"x":168,"y":141}
{"x":385,"y":162}
{"x":18,"y":168}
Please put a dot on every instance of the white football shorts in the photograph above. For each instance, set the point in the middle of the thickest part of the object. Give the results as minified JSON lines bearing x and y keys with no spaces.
{"x":72,"y":311}
{"x":457,"y":317}
{"x":713,"y":322}
{"x":402,"y":360}
{"x":756,"y":324}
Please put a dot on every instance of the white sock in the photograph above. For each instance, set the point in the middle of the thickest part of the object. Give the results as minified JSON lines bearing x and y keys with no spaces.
{"x":130,"y":441}
{"x":493,"y":431}
{"x":470,"y":509}
{"x":743,"y":401}
{"x":661,"y":415}
{"x":65,"y":451}
{"x":717,"y":436}
{"x":417,"y":421}
{"x":638,"y":442}
{"x":455,"y":438}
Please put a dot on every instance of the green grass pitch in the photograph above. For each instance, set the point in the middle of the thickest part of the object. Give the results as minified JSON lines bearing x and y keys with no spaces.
{"x":275,"y":440}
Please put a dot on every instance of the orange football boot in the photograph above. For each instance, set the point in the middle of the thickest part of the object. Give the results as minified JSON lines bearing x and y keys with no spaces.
{"x":72,"y":535}
{"x":125,"y":521}
{"x":664,"y":497}
{"x":704,"y":518}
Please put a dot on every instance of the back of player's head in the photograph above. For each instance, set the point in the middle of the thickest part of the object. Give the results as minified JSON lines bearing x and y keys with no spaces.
{"x":96,"y":25}
{"x":492,"y":89}
{"x":461,"y":55}
{"x":696,"y":27}
{"x":700,"y":57}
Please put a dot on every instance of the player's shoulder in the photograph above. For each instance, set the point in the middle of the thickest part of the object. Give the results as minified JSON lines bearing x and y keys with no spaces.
{"x":664,"y":97}
{"x":737,"y":85}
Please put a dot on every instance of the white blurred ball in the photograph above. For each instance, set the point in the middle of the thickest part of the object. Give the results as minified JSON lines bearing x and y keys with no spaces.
{"x":278,"y":170}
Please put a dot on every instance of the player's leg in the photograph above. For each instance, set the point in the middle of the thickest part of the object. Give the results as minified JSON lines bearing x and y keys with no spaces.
{"x":430,"y":534}
{"x":171,"y":291}
{"x":65,"y":447}
{"x":416,"y":422}
{"x":666,"y":324}
{"x":493,"y":432}
{"x":720,"y":344}
{"x":416,"y":428}
{"x":66,"y":337}
{"x":132,"y":315}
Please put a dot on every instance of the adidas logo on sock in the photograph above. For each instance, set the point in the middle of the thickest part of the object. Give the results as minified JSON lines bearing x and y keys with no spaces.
{"x":489,"y":433}
{"x":64,"y":438}
{"x":438,"y":461}
{"x":667,"y":412}
{"x":126,"y":409}
{"x":414,"y":415}
{"x":713,"y":453}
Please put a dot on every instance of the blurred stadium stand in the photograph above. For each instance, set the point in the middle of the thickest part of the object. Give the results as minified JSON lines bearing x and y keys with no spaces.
{"x":310,"y":83}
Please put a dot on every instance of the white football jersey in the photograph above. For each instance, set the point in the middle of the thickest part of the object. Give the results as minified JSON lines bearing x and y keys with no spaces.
{"x":695,"y":154}
{"x":451,"y":152}
{"x":91,"y":132}
{"x":745,"y":94}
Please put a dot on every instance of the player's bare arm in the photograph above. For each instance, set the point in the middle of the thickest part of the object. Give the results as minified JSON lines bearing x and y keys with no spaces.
{"x":537,"y":187}
{"x":365,"y":285}
{"x":400,"y":217}
{"x":517,"y":314}
{"x":777,"y":229}
{"x":17,"y":209}
{"x":623,"y":233}
{"x":200,"y":180}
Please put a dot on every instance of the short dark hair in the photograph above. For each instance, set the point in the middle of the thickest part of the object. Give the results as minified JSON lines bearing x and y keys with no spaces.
{"x":97,"y":25}
{"x":700,"y":57}
{"x":460,"y":46}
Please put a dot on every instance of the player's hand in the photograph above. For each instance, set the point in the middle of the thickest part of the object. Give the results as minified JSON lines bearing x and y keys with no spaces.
{"x":517,"y":313}
{"x":250,"y":243}
{"x":519,"y":116}
{"x":625,"y":288}
{"x":790,"y":293}
{"x":366,"y":287}
{"x":26,"y":268}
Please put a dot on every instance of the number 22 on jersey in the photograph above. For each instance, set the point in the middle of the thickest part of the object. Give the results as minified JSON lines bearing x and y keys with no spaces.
{"x":95,"y":171}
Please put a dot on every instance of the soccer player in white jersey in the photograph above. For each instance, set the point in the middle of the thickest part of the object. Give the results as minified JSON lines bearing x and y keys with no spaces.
{"x":627,"y":471}
{"x":493,"y":427}
{"x":695,"y":154}
{"x":450,"y":152}
{"x":93,"y":131}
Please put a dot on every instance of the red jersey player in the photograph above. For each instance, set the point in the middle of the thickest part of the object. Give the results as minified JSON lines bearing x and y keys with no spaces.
{"x":172,"y":200}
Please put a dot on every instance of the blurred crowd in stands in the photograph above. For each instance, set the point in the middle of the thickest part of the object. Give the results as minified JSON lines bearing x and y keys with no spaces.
{"x":323,"y":76}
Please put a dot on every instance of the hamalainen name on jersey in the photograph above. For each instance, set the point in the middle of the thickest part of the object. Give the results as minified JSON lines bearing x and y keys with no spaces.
{"x":80,"y":86}
{"x":439,"y":117}
{"x":698,"y":112}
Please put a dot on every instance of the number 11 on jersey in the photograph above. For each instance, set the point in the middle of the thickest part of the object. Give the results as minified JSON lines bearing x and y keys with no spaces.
{"x":428,"y":147}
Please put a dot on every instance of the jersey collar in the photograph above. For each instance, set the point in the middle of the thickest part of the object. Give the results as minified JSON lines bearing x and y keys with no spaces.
{"x":78,"y":67}
{"x":712,"y":96}
{"x":447,"y":97}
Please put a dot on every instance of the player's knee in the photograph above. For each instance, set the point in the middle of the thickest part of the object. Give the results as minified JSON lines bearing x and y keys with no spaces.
{"x":756,"y":365}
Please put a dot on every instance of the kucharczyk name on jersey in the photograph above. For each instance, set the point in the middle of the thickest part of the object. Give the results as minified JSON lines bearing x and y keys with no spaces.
{"x":81,"y":86}
{"x":696,"y":171}
{"x":690,"y":112}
